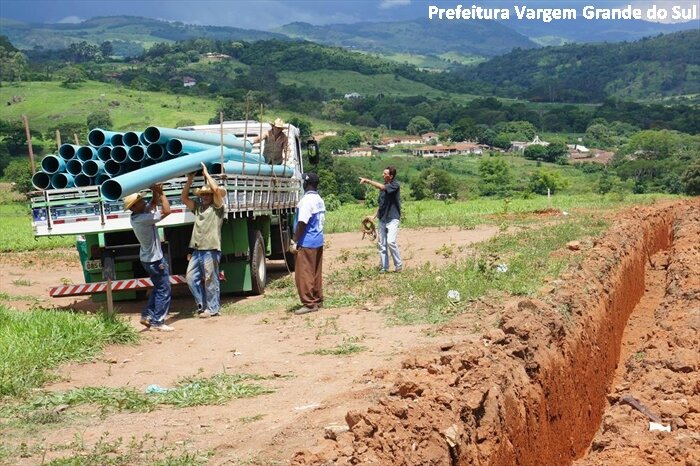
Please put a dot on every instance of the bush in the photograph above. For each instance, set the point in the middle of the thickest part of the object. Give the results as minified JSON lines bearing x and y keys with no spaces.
{"x":20,"y":174}
{"x":543,"y":180}
{"x":332,"y":202}
{"x":691,"y":179}
{"x":99,"y":119}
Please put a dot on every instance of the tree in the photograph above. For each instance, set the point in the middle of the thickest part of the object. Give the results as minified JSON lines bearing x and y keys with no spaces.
{"x":72,"y":77}
{"x":419,"y":125}
{"x":496,"y":177}
{"x":544,"y":180}
{"x":20,"y":174}
{"x":332,"y":144}
{"x":353,"y":138}
{"x":535,"y":152}
{"x":691,"y":179}
{"x":99,"y":119}
{"x":304,"y":126}
{"x":106,"y":49}
{"x":431,"y":182}
{"x":465,"y":129}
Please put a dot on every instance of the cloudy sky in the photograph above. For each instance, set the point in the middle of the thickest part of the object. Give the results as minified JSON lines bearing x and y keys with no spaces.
{"x":267,"y":14}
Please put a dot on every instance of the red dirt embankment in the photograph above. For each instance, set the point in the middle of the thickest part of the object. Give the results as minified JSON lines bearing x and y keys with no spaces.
{"x":533,"y":391}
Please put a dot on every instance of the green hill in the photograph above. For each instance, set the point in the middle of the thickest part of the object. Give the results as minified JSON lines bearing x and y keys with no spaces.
{"x":648,"y":69}
{"x":421,"y":36}
{"x":130,"y":34}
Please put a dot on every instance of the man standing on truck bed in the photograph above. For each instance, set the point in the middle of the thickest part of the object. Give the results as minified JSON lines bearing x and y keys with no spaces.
{"x":143,"y":220}
{"x":275,"y":150}
{"x":203,"y":269}
{"x":308,"y":246}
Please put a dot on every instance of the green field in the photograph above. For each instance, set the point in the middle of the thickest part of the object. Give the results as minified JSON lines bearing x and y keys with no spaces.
{"x":346,"y":82}
{"x":47,"y":104}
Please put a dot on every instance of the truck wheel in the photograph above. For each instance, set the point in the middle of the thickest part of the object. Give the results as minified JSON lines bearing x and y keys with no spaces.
{"x":258,"y":270}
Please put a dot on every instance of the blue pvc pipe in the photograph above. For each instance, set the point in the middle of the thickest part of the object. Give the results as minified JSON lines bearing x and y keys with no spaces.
{"x":133,"y":182}
{"x":147,"y":162}
{"x":82,"y":180}
{"x":235,"y":167}
{"x":177,"y":146}
{"x":61,"y":181}
{"x":113,"y":168}
{"x":99,"y":137}
{"x":119,"y":154}
{"x":131,"y":138}
{"x":101,"y":178}
{"x":117,"y":139}
{"x":154,"y":134}
{"x":67,"y":151}
{"x":142,"y":140}
{"x":52,"y":164}
{"x":41,"y":180}
{"x":104,"y":153}
{"x":86,"y":153}
{"x":92,"y":168}
{"x":137,"y":153}
{"x":74,"y":167}
{"x":155,"y":151}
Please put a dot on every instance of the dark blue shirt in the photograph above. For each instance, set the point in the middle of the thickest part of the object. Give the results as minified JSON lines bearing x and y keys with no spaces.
{"x":390,"y":202}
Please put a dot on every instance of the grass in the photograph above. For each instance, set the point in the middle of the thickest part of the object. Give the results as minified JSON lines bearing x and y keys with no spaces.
{"x":16,"y":232}
{"x":346,"y":82}
{"x":145,"y":450}
{"x":32,"y":343}
{"x":421,"y":295}
{"x":346,"y":348}
{"x":467,"y":214}
{"x":218,"y":389}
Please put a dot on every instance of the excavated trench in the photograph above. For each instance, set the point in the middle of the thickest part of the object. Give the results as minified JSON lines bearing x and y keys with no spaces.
{"x":534,"y":390}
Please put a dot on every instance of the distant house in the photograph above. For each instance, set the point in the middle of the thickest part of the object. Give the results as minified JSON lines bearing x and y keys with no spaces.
{"x":392,"y":141}
{"x":188,"y":82}
{"x":211,"y":56}
{"x":428,"y":136}
{"x":520,"y":146}
{"x":591,"y":156}
{"x":362,"y":151}
{"x":353,"y":95}
{"x":440,"y":151}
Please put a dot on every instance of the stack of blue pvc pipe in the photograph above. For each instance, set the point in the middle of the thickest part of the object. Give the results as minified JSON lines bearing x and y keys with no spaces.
{"x":124,"y":163}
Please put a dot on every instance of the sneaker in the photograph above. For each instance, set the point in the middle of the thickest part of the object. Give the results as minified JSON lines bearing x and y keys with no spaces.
{"x":145,"y":321}
{"x":162,"y":328}
{"x":398,"y":270}
{"x":207,"y":314}
{"x":305,"y":310}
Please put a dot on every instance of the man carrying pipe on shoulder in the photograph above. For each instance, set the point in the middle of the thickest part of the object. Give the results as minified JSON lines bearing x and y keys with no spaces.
{"x":203,"y":268}
{"x":143,"y":220}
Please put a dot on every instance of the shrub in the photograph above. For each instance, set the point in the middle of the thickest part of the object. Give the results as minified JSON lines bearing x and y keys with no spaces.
{"x":20,"y":174}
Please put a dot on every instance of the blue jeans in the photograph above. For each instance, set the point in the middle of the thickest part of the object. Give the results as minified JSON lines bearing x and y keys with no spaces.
{"x":387,"y":233}
{"x":159,"y":301}
{"x":203,"y":279}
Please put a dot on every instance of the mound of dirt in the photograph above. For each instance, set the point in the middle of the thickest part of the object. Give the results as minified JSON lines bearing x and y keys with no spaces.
{"x":532,"y":391}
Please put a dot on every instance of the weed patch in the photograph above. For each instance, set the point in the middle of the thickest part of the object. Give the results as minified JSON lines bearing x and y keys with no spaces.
{"x":347,"y":347}
{"x":34,"y":342}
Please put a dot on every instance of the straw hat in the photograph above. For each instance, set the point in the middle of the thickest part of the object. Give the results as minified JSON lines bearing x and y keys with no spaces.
{"x":279,"y":123}
{"x":131,"y":199}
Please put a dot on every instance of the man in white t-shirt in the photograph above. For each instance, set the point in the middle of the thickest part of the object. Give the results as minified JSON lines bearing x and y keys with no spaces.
{"x":308,"y":246}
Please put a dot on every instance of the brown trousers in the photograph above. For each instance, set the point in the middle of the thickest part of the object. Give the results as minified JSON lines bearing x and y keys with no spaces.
{"x":308,"y":276}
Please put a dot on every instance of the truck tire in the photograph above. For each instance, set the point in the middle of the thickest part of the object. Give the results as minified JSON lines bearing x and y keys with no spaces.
{"x":258,"y":268}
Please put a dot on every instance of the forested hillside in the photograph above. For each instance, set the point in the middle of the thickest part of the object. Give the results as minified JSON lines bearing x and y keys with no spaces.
{"x":667,"y":65}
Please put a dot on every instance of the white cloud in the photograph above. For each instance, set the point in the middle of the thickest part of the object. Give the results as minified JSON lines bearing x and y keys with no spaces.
{"x":70,"y":20}
{"x":386,"y":4}
{"x":646,"y":5}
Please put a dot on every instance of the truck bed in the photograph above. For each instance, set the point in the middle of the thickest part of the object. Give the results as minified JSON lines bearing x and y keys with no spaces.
{"x":77,"y":211}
